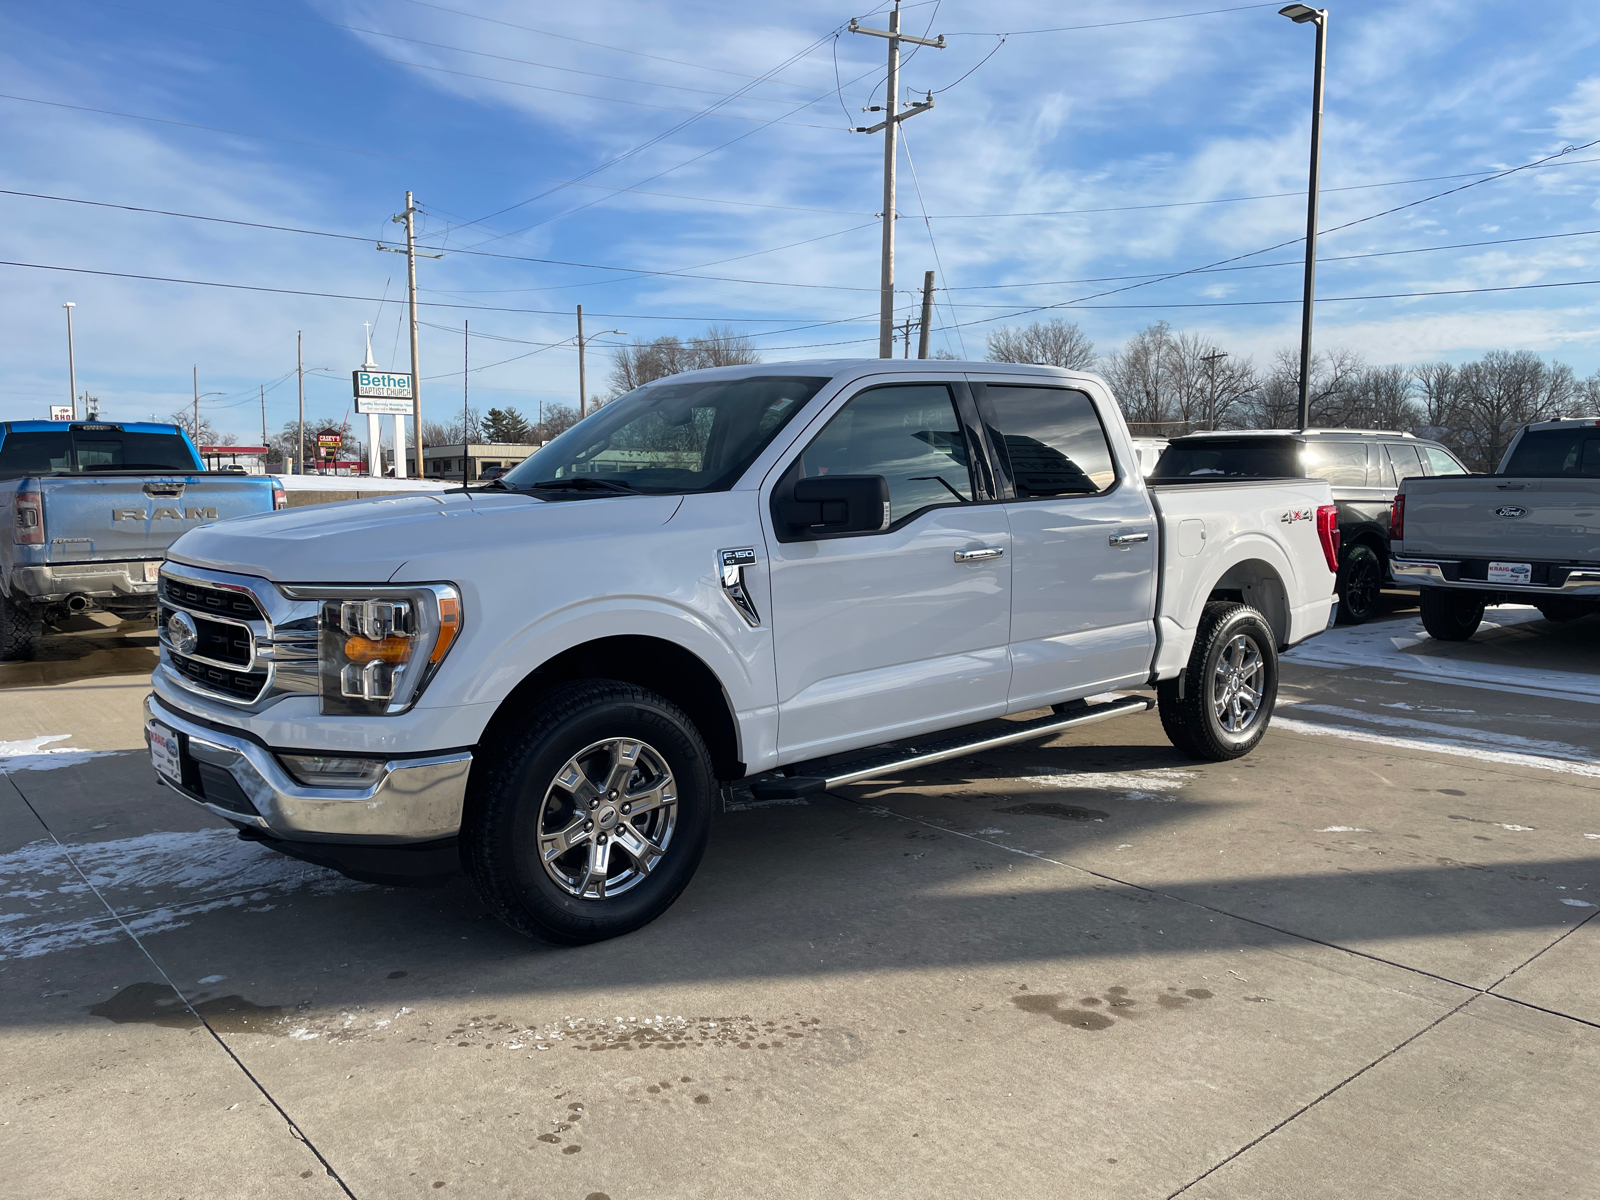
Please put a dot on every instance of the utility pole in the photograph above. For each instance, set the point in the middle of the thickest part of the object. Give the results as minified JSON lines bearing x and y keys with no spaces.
{"x":927,"y":313}
{"x":1211,"y":400}
{"x":466,"y":409}
{"x":906,"y":338}
{"x":891,"y":129}
{"x":583,"y":395}
{"x":72,"y":366}
{"x":300,"y":370}
{"x":264,"y":421}
{"x":196,"y":406}
{"x":408,"y":219}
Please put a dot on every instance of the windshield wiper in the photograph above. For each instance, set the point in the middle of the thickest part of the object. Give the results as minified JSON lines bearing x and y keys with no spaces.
{"x":585,"y":483}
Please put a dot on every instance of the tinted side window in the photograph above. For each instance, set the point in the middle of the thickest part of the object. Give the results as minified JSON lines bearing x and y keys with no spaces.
{"x":1052,"y":441}
{"x":1406,"y":462}
{"x":1441,"y":462}
{"x":908,"y":433}
{"x":35,"y":453}
{"x":1343,"y":464}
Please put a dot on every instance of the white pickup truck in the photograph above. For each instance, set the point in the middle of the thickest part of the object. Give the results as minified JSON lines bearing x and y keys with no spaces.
{"x":741,"y":574}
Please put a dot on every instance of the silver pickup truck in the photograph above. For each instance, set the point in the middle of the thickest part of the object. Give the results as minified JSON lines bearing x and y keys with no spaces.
{"x":1528,"y":534}
{"x":92,"y":508}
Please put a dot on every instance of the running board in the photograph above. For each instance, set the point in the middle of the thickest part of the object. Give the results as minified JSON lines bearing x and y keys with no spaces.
{"x":791,"y":787}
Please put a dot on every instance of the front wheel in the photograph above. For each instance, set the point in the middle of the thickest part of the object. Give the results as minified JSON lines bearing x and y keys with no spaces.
{"x":1228,"y":688}
{"x":589,"y":820}
{"x":1451,"y":616}
{"x":1360,"y":584}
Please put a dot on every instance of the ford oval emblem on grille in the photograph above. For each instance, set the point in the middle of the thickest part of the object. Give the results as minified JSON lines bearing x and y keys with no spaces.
{"x":1510,"y":510}
{"x":181,"y":632}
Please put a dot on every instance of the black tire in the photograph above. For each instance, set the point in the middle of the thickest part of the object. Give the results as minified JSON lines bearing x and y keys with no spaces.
{"x":1451,"y":616}
{"x":1360,"y":584}
{"x":20,"y":631}
{"x":1565,"y":608}
{"x":515,"y":773}
{"x":1193,"y":721}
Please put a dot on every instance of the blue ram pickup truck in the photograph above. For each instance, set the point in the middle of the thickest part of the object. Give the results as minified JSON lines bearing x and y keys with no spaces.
{"x":92,"y":507}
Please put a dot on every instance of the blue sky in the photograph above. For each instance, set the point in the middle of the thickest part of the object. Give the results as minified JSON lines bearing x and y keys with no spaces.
{"x":576,"y":127}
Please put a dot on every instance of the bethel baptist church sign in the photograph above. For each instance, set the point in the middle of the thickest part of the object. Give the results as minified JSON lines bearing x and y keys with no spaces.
{"x":382,"y":393}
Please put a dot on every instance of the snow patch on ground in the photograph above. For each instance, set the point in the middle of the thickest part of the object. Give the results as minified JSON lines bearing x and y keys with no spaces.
{"x":1343,"y":829}
{"x":1155,"y":784}
{"x":36,"y":754}
{"x":155,"y":882}
{"x":1462,"y":735}
{"x":1588,"y":768}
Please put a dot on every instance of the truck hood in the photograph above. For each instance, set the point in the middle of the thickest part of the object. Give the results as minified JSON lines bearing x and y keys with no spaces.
{"x":373,"y":541}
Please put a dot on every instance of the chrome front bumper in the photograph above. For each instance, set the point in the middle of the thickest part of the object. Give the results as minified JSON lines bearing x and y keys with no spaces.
{"x":415,"y":799}
{"x":1428,"y":573}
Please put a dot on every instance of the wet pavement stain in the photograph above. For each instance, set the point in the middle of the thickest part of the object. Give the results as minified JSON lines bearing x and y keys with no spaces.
{"x":158,"y":1004}
{"x":1061,"y":812}
{"x":1118,"y":999}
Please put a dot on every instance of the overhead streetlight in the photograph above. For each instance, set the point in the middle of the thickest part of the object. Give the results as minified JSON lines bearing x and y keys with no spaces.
{"x":1302,"y":14}
{"x":583,"y":342}
{"x":72,"y":369}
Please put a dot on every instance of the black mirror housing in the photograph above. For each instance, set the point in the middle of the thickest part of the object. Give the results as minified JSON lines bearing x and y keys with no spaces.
{"x":831,"y":505}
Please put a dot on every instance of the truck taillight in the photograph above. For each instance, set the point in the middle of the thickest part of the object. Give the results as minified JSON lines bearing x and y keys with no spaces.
{"x":1328,"y":534}
{"x":1397,"y":519}
{"x":29,"y":526}
{"x":280,"y":498}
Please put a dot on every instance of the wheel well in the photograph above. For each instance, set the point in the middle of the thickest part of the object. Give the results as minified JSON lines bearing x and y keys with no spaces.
{"x":1378,"y":545}
{"x":1257,"y":584}
{"x":654,"y":663}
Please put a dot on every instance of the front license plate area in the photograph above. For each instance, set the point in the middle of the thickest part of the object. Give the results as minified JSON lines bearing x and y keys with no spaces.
{"x":164,"y":752}
{"x":1510,"y":572}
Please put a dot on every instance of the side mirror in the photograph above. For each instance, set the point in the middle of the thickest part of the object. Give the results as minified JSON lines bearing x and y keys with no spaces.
{"x":836,"y":504}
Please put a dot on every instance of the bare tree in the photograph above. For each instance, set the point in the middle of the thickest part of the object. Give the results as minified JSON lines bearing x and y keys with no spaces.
{"x":557,"y":419}
{"x":1503,"y":391}
{"x":206,"y":434}
{"x":451,"y":432}
{"x":641,"y":362}
{"x":1056,"y":342}
{"x":1203,"y":383}
{"x":1381,"y":398}
{"x":1138,"y":377}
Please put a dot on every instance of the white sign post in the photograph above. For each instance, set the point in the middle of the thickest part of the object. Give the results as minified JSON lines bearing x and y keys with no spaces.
{"x":388,"y":394}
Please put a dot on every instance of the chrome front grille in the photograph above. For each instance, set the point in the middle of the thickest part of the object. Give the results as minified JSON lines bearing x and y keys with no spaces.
{"x":255,"y":645}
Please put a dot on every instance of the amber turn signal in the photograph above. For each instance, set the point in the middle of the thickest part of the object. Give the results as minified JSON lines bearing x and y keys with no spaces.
{"x":388,"y":650}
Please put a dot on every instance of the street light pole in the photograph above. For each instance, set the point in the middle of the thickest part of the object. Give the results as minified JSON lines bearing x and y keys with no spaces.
{"x":583,"y":395}
{"x":72,"y":367}
{"x":1301,"y":14}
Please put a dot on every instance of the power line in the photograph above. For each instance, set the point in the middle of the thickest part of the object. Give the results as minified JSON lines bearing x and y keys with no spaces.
{"x":539,"y":87}
{"x":1210,"y":12}
{"x":917,"y":184}
{"x":614,"y":190}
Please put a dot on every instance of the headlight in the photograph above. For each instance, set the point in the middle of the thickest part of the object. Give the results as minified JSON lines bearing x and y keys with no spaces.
{"x":377,"y":647}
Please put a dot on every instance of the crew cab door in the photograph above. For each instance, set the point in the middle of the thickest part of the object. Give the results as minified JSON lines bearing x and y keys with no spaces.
{"x":893,"y":631}
{"x":1084,"y":546}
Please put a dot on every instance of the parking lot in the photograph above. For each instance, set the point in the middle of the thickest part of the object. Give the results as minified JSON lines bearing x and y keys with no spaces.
{"x":1359,"y":962}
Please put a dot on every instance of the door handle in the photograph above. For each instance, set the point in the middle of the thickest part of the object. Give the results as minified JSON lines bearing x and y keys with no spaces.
{"x":1124,"y":540}
{"x":979,"y":555}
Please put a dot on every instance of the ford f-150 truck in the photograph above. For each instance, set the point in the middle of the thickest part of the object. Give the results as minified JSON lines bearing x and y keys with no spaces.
{"x":92,"y":508}
{"x":794,"y":575}
{"x":1529,"y":533}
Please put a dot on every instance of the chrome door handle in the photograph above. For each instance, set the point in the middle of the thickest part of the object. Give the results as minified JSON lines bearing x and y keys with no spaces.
{"x":1124,"y":540}
{"x":979,"y":555}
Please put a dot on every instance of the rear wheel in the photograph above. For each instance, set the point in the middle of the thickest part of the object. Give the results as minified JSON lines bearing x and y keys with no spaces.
{"x":589,"y":820}
{"x":1451,"y":616}
{"x":1359,"y":585}
{"x":1229,"y":686}
{"x":20,"y":631}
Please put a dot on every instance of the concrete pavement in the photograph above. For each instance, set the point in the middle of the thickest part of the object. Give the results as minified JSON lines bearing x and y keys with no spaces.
{"x":1357,"y":962}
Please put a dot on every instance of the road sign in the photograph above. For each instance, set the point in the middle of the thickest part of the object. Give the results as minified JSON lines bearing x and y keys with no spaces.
{"x":61,"y":412}
{"x":330,"y":437}
{"x":381,"y":385}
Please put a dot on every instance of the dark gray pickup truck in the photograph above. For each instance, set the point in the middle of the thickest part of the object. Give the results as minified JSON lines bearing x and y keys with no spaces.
{"x":1528,"y":534}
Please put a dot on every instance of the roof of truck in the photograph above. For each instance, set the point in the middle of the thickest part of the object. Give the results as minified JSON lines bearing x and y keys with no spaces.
{"x":89,"y":426}
{"x":1565,"y":423}
{"x":1314,"y":432}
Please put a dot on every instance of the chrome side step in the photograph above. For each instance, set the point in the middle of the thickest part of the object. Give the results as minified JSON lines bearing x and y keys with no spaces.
{"x":790,"y":787}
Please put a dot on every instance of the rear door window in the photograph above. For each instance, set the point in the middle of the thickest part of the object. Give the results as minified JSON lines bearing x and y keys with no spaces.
{"x":1050,"y":440}
{"x":1343,"y":464}
{"x":1404,"y":462}
{"x":1219,"y":458}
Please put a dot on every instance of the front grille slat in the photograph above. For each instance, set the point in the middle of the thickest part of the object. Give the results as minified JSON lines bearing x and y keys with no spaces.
{"x":244,"y":685}
{"x":199,"y":599}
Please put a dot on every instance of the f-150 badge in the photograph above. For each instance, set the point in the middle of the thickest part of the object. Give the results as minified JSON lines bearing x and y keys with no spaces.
{"x":730,"y":567}
{"x":1298,"y":514}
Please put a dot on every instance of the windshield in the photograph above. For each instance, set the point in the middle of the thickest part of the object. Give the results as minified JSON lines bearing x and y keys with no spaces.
{"x":44,"y":452}
{"x":1551,"y":453}
{"x":1211,"y":458}
{"x":667,"y":438}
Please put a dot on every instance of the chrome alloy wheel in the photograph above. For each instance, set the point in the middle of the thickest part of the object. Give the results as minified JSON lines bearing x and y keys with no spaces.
{"x":607,"y":818}
{"x":1236,"y":686}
